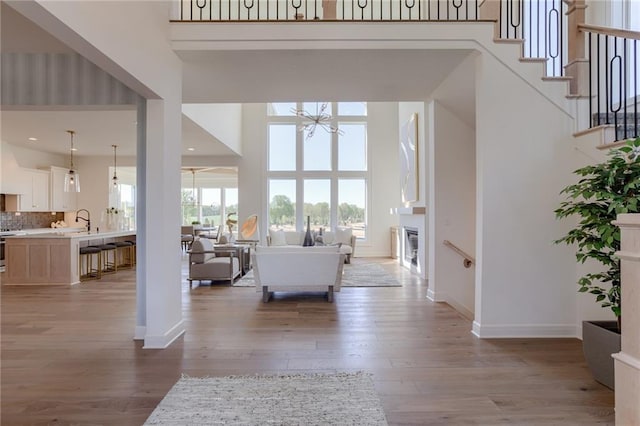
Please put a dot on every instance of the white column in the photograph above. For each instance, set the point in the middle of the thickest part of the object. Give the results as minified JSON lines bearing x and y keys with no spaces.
{"x":627,"y":362}
{"x":141,"y":228}
{"x":162,"y":223}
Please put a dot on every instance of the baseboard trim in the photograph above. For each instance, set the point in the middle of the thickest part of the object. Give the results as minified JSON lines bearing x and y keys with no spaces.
{"x":441,"y":297}
{"x":139,"y":332}
{"x":163,"y":341}
{"x":461,"y":309}
{"x":523,"y":331}
{"x":431,"y":295}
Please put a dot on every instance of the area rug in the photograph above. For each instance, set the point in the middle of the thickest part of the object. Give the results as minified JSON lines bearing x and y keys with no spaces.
{"x":353,"y":275}
{"x":315,"y":399}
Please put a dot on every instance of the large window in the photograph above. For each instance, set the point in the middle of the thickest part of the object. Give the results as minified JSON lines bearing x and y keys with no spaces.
{"x":124,"y":199}
{"x":208,"y":195}
{"x":351,"y":205}
{"x":204,"y":206}
{"x":323,"y":175}
{"x":282,"y":203}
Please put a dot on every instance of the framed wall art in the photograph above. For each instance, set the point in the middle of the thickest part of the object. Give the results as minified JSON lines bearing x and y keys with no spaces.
{"x":409,"y":159}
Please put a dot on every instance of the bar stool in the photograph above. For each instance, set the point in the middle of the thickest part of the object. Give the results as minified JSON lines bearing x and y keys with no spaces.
{"x":133,"y":251}
{"x":108,"y":252}
{"x":124,"y":259}
{"x":86,"y":257}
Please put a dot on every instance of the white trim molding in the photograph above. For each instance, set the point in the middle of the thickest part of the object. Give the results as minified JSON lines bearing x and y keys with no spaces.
{"x":627,"y":359}
{"x":163,"y":341}
{"x":524,"y":331}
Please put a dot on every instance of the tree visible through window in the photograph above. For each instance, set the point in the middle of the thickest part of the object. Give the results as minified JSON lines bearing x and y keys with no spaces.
{"x":324,"y":176}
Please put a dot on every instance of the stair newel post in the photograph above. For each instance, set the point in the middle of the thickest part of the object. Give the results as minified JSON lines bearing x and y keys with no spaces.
{"x":490,"y":10}
{"x":627,"y":361}
{"x":577,"y":63}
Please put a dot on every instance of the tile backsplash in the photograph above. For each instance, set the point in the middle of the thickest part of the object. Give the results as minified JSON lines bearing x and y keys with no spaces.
{"x":28,"y":220}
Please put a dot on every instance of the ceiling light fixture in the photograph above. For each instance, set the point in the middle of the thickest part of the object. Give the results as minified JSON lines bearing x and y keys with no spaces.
{"x":33,"y":139}
{"x":114,"y":187}
{"x":321,"y":118}
{"x":191,"y":149}
{"x":71,"y":179}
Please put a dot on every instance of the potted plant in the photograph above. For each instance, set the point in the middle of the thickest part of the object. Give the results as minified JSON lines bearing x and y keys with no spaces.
{"x":603,"y":191}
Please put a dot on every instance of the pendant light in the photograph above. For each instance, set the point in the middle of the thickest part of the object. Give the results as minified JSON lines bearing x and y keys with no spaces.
{"x":72,"y":178}
{"x":114,"y":187}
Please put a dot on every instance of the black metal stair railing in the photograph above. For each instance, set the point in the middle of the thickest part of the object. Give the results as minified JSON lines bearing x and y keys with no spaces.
{"x":345,"y":10}
{"x":541,"y":25}
{"x":613,"y":81}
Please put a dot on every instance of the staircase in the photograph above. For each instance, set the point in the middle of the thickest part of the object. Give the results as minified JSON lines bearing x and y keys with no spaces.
{"x":625,"y":125}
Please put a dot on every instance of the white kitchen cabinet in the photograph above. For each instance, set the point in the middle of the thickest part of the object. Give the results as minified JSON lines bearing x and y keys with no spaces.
{"x":33,"y":192}
{"x":61,"y":201}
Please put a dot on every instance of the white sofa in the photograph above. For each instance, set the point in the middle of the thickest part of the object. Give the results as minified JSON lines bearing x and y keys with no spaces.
{"x":206,"y":262}
{"x":282,"y":269}
{"x":343,"y":238}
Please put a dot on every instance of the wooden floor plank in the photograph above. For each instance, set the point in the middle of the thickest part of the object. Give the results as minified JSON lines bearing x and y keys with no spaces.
{"x":68,"y":356}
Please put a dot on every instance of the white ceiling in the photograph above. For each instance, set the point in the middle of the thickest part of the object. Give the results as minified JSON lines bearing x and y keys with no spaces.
{"x":97,"y":128}
{"x":95,"y":131}
{"x":308,"y":75}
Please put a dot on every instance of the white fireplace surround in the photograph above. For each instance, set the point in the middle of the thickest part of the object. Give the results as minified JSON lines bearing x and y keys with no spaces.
{"x":407,"y":219}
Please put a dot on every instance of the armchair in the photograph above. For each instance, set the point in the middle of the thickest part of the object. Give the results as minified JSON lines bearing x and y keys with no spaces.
{"x":207,"y":262}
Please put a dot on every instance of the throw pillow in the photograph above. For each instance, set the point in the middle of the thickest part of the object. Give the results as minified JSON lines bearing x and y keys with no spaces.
{"x":277,"y":237}
{"x":343,"y":235}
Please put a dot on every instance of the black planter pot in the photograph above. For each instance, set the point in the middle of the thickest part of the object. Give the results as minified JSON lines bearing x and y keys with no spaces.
{"x":600,"y":339}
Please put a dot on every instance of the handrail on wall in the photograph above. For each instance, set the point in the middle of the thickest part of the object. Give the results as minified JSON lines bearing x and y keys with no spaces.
{"x":468,"y":259}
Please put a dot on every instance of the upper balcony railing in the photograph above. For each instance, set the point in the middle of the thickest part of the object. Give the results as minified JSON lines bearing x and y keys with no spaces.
{"x":342,"y":10}
{"x":539,"y":23}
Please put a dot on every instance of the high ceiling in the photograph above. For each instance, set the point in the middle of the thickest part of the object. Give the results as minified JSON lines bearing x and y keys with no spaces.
{"x":237,"y":77}
{"x":97,"y":129}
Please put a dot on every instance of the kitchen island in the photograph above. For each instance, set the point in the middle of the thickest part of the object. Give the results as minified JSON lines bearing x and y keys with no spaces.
{"x":51,"y":258}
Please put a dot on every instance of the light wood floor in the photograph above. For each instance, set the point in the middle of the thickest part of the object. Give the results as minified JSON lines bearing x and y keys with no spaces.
{"x":68,"y":356}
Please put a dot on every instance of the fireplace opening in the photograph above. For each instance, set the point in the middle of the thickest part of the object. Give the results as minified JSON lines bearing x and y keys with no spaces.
{"x":411,"y":245}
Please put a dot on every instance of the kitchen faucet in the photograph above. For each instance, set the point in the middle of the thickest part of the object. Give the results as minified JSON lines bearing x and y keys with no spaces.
{"x":87,"y":219}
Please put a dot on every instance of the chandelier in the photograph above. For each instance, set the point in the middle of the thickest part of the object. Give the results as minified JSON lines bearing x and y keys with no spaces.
{"x":321,"y":118}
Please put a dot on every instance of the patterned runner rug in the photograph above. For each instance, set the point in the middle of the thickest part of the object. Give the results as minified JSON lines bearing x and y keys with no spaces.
{"x":353,"y":275}
{"x":315,"y":399}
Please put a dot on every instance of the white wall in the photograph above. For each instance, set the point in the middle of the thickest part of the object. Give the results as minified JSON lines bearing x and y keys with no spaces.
{"x":525,"y":285}
{"x":383,"y":163}
{"x":95,"y":179}
{"x":453,"y":209}
{"x":252,"y":185}
{"x":14,"y":157}
{"x":224,"y":121}
{"x":384,"y":176}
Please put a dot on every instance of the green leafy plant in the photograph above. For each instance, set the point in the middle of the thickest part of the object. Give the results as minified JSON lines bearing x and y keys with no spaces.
{"x":603,"y":191}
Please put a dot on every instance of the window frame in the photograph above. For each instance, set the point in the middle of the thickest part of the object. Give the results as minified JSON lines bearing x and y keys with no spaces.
{"x":333,"y":175}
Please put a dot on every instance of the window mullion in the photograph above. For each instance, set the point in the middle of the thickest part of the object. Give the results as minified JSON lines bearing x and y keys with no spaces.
{"x":299,"y":175}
